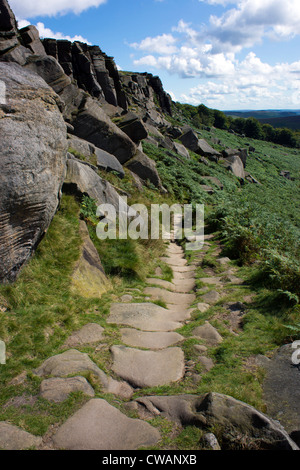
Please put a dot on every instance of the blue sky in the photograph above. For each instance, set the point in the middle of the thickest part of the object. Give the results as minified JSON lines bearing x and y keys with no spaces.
{"x":227,"y":54}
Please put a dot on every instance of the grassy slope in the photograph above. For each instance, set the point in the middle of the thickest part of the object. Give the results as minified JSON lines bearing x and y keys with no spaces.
{"x":44,"y":312}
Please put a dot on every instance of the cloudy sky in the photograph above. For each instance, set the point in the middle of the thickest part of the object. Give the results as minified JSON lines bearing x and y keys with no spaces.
{"x":227,"y":54}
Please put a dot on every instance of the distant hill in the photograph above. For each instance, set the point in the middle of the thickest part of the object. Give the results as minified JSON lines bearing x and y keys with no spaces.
{"x":276,"y":118}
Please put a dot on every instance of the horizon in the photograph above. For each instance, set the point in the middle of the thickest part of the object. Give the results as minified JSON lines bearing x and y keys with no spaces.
{"x":226,"y":54}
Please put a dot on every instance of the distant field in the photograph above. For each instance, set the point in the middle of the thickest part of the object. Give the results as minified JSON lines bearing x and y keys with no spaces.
{"x":277,"y":118}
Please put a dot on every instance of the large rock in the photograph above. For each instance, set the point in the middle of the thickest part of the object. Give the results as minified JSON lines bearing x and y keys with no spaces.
{"x":190,"y":140}
{"x":237,"y":420}
{"x":239,"y":425}
{"x":235,"y":165}
{"x":282,"y":387}
{"x":50,"y":70}
{"x":88,"y":277}
{"x":100,"y":426}
{"x":145,"y":168}
{"x":92,"y":124}
{"x":85,"y":180}
{"x":33,"y":150}
{"x":31,"y":39}
{"x":8,"y":28}
{"x":133,"y":127}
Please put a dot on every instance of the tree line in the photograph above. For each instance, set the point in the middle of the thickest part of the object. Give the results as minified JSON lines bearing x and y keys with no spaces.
{"x":200,"y":116}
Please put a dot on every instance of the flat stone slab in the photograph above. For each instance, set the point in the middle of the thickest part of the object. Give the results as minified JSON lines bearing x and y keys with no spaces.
{"x":169,"y":297}
{"x":161,"y":283}
{"x":100,"y":426}
{"x":179,"y":312}
{"x":74,"y":362}
{"x":178,"y":276}
{"x":148,"y":368}
{"x":208,"y":333}
{"x":174,"y":260}
{"x":184,"y":285}
{"x":89,"y":333}
{"x":143,"y":316}
{"x":14,"y":438}
{"x":149,"y":339}
{"x":184,"y":269}
{"x":211,"y":297}
{"x":58,"y":389}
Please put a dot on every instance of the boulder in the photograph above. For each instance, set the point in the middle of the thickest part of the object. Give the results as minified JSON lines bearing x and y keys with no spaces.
{"x":145,"y":168}
{"x":181,"y":150}
{"x":108,"y":162}
{"x":235,"y":165}
{"x":49,"y":69}
{"x":85,"y":180}
{"x":242,"y":153}
{"x":242,"y":426}
{"x":92,"y":124}
{"x":190,"y":140}
{"x":33,"y":150}
{"x":88,"y":277}
{"x":30,"y":38}
{"x":133,"y":127}
{"x":8,"y":29}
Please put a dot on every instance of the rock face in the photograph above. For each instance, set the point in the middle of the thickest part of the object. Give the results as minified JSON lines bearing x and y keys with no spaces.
{"x":92,"y":124}
{"x":33,"y":144}
{"x":145,"y":168}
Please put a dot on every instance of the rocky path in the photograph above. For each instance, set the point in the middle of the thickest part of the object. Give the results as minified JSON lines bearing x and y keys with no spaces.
{"x":150,"y":356}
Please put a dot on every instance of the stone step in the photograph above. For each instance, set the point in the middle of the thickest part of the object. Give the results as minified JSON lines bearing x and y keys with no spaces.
{"x":149,"y":339}
{"x":157,"y":293}
{"x":148,"y":368}
{"x":143,"y":316}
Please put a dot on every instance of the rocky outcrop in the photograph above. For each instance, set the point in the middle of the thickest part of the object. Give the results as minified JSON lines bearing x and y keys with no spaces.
{"x":146,"y":91}
{"x":145,"y":168}
{"x":33,"y":150}
{"x":190,"y":140}
{"x":235,"y":165}
{"x":92,"y":124}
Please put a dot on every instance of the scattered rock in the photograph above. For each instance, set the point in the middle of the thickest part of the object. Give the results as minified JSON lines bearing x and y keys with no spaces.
{"x":89,"y":333}
{"x":211,"y":297}
{"x":208,"y":333}
{"x":206,"y":362}
{"x":58,"y":389}
{"x":210,"y":442}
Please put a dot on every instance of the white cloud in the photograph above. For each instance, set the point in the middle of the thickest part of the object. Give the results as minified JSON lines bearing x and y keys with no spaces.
{"x":48,"y":33}
{"x":164,"y":44}
{"x":33,"y":8}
